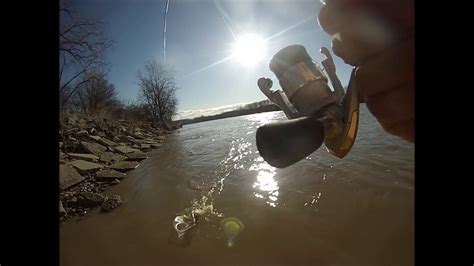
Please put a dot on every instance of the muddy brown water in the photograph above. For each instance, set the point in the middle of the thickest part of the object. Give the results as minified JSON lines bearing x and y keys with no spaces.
{"x":321,"y":211}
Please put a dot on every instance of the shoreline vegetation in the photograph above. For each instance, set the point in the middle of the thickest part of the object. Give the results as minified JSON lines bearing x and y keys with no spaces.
{"x":252,"y":108}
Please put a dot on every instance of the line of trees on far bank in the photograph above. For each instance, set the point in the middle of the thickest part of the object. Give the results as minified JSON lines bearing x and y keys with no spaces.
{"x":84,"y":86}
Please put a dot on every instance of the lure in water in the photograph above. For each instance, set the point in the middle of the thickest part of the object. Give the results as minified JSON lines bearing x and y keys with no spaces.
{"x":183,"y":223}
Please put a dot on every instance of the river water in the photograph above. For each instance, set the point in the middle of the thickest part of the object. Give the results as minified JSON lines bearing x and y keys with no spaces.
{"x":320,"y":211}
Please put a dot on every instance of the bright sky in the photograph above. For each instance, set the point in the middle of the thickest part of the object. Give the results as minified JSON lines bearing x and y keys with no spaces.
{"x":202,"y":35}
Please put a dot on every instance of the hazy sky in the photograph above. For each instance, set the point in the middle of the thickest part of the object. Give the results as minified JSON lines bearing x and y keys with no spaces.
{"x":198,"y":36}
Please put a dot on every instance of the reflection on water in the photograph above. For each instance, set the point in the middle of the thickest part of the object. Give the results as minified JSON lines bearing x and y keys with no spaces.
{"x":267,"y":187}
{"x":327,"y":211}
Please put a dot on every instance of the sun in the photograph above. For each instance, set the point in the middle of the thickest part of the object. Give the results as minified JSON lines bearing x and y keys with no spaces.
{"x":249,"y":49}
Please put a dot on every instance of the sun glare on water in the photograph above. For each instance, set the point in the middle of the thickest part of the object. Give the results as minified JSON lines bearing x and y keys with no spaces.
{"x":249,"y":49}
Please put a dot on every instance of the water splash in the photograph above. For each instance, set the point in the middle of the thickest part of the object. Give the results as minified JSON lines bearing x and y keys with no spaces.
{"x":204,"y":205}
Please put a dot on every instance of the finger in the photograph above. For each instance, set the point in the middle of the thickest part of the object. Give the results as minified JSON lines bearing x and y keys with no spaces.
{"x":404,"y":129}
{"x":388,"y":70}
{"x":392,"y":107}
{"x":397,"y":14}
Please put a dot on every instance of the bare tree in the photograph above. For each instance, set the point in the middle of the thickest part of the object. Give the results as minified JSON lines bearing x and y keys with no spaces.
{"x":82,"y":48}
{"x":95,"y":95}
{"x":158,"y":91}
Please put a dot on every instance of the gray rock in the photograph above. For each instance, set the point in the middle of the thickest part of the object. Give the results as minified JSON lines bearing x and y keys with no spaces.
{"x":125,"y":149}
{"x":115,"y":182}
{"x":61,"y":144}
{"x":135,"y":146}
{"x":85,"y":167}
{"x":68,"y":176}
{"x":93,"y":148}
{"x":145,"y":146}
{"x":111,"y":203}
{"x":62,"y":211}
{"x":89,"y":199}
{"x":72,"y":121}
{"x":70,"y":145}
{"x":82,"y":133}
{"x":71,"y":138}
{"x":161,"y":137}
{"x":136,"y":141}
{"x":107,"y":142}
{"x":156,"y":145}
{"x":125,"y":166}
{"x":109,"y":175}
{"x":94,"y":137}
{"x":136,"y":156}
{"x":92,"y":131}
{"x":70,"y":131}
{"x":108,"y":157}
{"x":138,"y":135}
{"x":83,"y":156}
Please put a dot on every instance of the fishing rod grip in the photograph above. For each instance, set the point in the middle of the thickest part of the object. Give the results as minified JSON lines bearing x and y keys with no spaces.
{"x":282,"y":144}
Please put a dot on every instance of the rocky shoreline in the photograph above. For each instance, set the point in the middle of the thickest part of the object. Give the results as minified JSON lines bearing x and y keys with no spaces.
{"x":97,"y":153}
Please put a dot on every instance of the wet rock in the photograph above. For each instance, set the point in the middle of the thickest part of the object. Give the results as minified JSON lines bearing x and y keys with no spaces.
{"x":89,"y":199}
{"x":85,"y":167}
{"x":94,"y":137}
{"x":93,"y":148}
{"x":108,"y":157}
{"x":111,"y":203}
{"x":92,"y":131}
{"x":115,"y":182}
{"x":68,"y":176}
{"x":62,"y":211}
{"x":109,"y":175}
{"x":161,"y":137}
{"x":125,"y":166}
{"x":135,"y":146}
{"x":83,"y":156}
{"x":61,"y":144}
{"x":136,"y":156}
{"x":71,"y":138}
{"x":125,"y":149}
{"x":107,"y":142}
{"x":156,"y":145}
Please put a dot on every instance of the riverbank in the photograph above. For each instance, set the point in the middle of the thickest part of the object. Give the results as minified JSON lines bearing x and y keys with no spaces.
{"x":96,"y":153}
